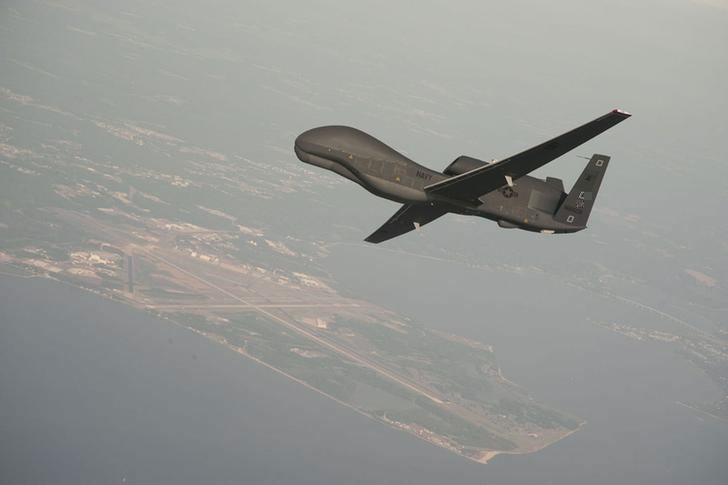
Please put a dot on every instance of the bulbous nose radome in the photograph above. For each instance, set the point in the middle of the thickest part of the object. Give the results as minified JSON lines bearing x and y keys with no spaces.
{"x":315,"y":145}
{"x":311,"y":142}
{"x":318,"y":141}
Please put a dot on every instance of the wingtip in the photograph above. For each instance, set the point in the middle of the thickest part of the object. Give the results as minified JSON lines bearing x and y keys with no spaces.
{"x":622,"y":112}
{"x":372,"y":239}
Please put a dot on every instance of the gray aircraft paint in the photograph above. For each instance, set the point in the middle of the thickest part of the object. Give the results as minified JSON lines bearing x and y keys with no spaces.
{"x":499,"y":191}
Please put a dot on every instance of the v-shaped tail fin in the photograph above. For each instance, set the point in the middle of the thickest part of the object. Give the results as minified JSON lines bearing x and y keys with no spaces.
{"x":577,"y":206}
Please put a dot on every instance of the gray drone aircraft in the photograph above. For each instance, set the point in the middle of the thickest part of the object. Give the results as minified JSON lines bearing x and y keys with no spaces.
{"x":500,"y":190}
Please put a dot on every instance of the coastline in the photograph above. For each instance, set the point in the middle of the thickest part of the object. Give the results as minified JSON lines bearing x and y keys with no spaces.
{"x":484,"y":457}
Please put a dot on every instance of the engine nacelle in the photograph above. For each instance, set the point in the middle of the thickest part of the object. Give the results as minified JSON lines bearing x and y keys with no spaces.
{"x":463,"y":164}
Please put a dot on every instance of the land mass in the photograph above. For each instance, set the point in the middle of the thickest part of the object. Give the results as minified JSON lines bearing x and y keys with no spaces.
{"x":444,"y":389}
